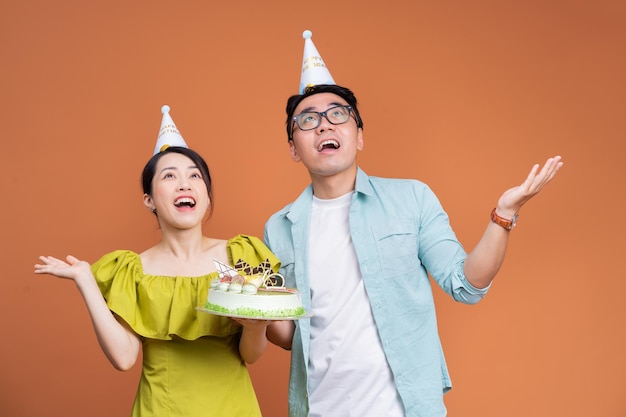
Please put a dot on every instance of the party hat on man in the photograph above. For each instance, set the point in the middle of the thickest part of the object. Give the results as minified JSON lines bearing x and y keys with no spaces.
{"x":314,"y":70}
{"x":168,"y":134}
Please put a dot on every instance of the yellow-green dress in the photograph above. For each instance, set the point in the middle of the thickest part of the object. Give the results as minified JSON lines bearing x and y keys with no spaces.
{"x":191,"y":362}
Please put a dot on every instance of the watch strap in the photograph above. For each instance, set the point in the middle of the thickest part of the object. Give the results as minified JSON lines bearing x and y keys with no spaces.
{"x":501,"y":221}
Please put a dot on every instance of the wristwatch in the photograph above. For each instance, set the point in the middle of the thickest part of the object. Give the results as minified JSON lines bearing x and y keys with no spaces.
{"x":501,"y":221}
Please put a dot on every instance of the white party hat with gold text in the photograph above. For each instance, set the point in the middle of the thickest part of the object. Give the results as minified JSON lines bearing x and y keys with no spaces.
{"x":314,"y":69}
{"x":168,"y":134}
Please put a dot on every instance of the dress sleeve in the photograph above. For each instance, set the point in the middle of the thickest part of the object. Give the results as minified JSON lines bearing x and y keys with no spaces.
{"x":250,"y":252}
{"x":115,"y":274}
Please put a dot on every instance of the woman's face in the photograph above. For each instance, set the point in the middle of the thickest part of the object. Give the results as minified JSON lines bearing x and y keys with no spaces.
{"x":179,"y":193}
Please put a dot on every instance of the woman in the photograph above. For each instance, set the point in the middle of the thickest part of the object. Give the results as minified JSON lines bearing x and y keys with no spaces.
{"x":193,"y":362}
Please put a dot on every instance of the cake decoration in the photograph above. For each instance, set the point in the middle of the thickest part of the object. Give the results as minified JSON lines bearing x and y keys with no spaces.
{"x":231,"y":278}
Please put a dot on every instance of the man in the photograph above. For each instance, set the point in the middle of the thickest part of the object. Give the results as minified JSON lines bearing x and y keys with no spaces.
{"x":359,"y":249}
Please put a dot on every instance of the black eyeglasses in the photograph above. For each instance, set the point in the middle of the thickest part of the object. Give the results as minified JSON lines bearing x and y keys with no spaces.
{"x":310,"y":120}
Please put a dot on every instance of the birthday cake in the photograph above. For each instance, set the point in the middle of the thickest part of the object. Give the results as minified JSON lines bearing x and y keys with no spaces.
{"x":261,"y":294}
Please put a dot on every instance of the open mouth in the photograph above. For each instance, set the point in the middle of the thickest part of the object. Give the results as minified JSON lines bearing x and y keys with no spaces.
{"x":185,"y":202}
{"x":328,"y":144}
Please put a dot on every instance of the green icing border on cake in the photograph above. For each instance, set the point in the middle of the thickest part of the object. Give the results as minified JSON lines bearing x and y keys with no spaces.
{"x":252,"y":312}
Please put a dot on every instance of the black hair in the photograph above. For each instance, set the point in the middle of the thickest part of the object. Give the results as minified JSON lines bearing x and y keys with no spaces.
{"x":343,"y":92}
{"x":150,"y":170}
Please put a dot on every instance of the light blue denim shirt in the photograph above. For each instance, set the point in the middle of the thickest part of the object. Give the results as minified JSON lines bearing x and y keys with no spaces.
{"x":400,"y":233}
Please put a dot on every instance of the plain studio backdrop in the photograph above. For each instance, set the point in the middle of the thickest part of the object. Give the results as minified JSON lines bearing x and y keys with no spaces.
{"x":464,"y":96}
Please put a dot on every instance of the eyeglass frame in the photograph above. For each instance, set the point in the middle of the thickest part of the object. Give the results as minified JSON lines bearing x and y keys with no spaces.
{"x":323,"y":114}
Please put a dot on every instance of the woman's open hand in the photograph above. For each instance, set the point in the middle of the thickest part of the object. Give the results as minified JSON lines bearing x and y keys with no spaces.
{"x":72,"y":268}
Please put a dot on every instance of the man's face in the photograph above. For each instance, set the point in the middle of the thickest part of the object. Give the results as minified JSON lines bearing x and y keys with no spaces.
{"x":329,"y":149}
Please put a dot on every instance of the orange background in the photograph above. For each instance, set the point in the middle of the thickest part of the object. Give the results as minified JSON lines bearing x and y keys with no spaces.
{"x":465,"y":96}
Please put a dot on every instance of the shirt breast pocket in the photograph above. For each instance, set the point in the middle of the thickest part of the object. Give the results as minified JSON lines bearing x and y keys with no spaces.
{"x":397,"y":247}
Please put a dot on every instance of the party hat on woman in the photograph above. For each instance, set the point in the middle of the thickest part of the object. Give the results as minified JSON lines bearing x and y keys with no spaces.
{"x":168,"y":134}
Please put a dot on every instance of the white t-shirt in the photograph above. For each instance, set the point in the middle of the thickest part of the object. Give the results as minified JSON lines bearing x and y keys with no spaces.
{"x":348,"y":371}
